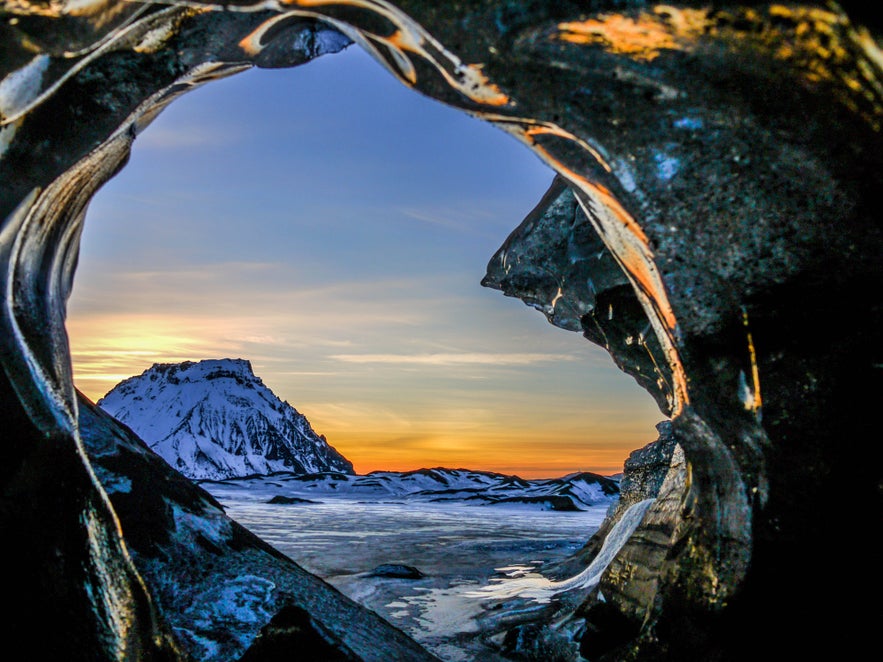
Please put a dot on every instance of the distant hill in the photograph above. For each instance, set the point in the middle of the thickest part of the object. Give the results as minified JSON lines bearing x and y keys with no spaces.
{"x":215,"y":419}
{"x":573,"y":492}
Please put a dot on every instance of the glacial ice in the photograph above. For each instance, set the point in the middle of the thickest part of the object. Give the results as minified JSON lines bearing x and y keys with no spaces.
{"x":542,"y":590}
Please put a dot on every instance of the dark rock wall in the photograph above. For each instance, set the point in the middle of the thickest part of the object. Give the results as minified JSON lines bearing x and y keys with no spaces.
{"x":726,"y":155}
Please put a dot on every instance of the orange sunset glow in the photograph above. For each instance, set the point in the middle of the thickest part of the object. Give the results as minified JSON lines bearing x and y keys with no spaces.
{"x":345,"y":266}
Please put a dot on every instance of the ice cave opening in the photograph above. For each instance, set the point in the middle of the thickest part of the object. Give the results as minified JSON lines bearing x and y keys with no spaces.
{"x":338,"y":243}
{"x":723,"y":161}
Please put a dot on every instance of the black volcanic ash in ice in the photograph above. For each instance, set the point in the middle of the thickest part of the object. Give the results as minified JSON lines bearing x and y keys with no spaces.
{"x":215,"y":419}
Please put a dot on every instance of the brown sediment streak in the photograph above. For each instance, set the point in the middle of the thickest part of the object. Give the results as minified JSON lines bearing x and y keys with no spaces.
{"x":251,"y":43}
{"x":634,"y":256}
{"x":526,"y":130}
{"x":533,"y":128}
{"x":53,"y":9}
{"x":110,"y":36}
{"x":640,"y":38}
{"x":756,"y":403}
{"x":624,"y":238}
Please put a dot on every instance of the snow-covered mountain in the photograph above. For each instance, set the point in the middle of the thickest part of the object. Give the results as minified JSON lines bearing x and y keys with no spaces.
{"x":573,"y":492}
{"x":216,"y":419}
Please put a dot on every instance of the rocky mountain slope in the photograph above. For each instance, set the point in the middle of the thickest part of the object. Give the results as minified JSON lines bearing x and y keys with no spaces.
{"x":217,"y":419}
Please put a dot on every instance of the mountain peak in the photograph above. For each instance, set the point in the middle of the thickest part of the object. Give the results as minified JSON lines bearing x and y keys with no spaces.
{"x":216,"y":419}
{"x":205,"y":369}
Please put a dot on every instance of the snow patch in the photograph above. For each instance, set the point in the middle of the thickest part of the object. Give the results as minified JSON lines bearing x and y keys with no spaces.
{"x":211,"y":525}
{"x":215,"y":419}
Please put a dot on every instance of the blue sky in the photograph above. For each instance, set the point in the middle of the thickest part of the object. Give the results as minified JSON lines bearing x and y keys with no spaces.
{"x":333,"y":226}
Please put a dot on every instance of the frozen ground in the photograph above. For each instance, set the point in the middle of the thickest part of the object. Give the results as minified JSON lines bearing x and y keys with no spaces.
{"x":467,"y":552}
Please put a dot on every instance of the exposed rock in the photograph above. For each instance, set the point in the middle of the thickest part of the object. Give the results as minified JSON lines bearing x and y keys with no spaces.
{"x":728,"y":156}
{"x":397,"y":571}
{"x":289,"y":500}
{"x":553,"y":502}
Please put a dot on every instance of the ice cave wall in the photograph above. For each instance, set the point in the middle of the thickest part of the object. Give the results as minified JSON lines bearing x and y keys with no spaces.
{"x":720,"y":160}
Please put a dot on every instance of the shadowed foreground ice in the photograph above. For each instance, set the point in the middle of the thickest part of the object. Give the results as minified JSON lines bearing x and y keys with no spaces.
{"x":469,"y":555}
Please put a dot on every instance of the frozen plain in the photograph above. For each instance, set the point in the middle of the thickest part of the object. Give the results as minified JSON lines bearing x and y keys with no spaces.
{"x":472,"y":556}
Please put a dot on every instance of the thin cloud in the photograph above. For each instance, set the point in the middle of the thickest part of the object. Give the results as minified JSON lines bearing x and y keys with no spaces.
{"x":439,"y":220}
{"x":308,"y":373}
{"x":466,"y":221}
{"x":447,"y":359}
{"x":184,"y":137}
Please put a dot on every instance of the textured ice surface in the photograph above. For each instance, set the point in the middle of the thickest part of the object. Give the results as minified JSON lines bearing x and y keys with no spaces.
{"x":457,"y":546}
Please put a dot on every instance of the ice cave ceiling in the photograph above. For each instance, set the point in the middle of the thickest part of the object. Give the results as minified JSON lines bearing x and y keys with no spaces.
{"x":714,"y":225}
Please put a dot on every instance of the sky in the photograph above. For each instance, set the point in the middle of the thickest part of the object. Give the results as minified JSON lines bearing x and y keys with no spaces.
{"x":332,"y":226}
